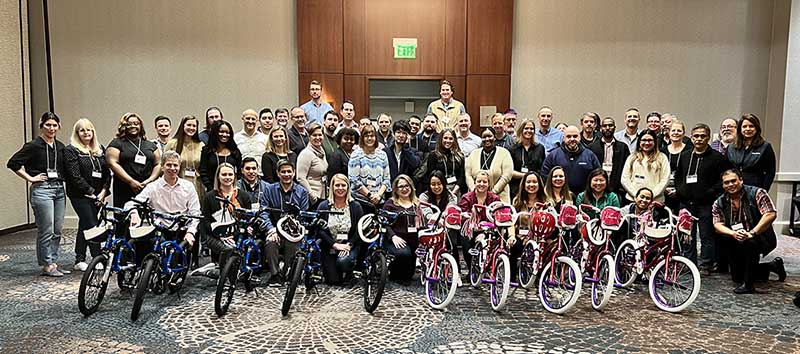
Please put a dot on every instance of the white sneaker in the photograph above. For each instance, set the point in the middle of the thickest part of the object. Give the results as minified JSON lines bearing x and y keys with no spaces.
{"x":80,"y":266}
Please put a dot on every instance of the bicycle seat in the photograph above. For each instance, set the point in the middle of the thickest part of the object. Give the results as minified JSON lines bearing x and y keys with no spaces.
{"x":94,"y":232}
{"x":658,"y":232}
{"x":290,"y":229}
{"x":452,"y":218}
{"x":501,"y":214}
{"x":141,"y":231}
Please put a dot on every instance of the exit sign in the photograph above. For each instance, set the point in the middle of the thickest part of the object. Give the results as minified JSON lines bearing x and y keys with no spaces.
{"x":404,"y":48}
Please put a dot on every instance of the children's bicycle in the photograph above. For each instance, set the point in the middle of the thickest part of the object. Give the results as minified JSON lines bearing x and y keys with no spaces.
{"x":244,"y":261}
{"x":166,"y":266}
{"x":117,"y":257}
{"x":490,"y":259}
{"x":594,"y":252}
{"x":674,"y":280}
{"x":439,"y":268}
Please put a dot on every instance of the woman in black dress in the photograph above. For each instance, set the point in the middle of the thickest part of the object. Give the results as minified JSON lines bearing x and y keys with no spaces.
{"x":220,"y":149}
{"x":133,"y":159}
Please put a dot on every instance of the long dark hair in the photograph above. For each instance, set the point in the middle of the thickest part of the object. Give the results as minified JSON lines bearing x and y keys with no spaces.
{"x":588,"y":193}
{"x":757,"y":139}
{"x":180,"y":135}
{"x":455,"y":150}
{"x":444,"y":198}
{"x":521,"y":199}
{"x":213,"y":137}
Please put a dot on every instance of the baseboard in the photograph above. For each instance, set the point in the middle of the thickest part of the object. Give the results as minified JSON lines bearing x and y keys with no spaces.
{"x":17,"y":228}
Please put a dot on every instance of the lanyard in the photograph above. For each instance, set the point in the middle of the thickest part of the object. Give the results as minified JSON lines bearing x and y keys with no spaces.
{"x":138,"y":148}
{"x":47,"y":156}
{"x":91,"y":160}
{"x":453,"y":160}
{"x":697,"y":167}
{"x":487,"y":159}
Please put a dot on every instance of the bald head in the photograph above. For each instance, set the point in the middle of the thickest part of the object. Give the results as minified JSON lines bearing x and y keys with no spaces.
{"x":250,"y":120}
{"x":572,"y":137}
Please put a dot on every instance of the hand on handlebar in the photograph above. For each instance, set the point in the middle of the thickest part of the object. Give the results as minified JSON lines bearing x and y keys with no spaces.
{"x":272,"y":235}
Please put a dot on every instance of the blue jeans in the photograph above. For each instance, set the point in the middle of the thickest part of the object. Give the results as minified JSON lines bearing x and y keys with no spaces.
{"x":87,"y":218}
{"x":48,"y":202}
{"x":403,"y":266}
{"x":705,"y":228}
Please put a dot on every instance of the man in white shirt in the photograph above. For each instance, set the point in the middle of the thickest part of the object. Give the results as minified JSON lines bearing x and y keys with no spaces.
{"x":251,"y":142}
{"x":466,"y":140}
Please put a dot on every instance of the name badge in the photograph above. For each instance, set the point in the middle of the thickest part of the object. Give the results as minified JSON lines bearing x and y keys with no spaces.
{"x":737,"y":227}
{"x":341,"y":237}
{"x":638,"y":178}
{"x":524,"y":170}
{"x":523,"y":232}
{"x":412,"y":229}
{"x":140,"y":159}
{"x":97,"y":174}
{"x":672,"y":176}
{"x":189,"y":172}
{"x":607,"y":167}
{"x":52,"y":174}
{"x":691,"y":179}
{"x":255,"y":206}
{"x":451,"y":180}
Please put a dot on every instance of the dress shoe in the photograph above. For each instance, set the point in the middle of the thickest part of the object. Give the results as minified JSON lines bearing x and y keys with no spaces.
{"x":744,"y":289}
{"x":719,"y":269}
{"x":778,"y":268}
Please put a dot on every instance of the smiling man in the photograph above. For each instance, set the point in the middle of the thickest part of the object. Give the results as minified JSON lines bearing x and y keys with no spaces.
{"x":251,"y":142}
{"x":631,"y":131}
{"x":546,"y":135}
{"x":576,"y":160}
{"x":447,"y":109}
{"x":315,"y":108}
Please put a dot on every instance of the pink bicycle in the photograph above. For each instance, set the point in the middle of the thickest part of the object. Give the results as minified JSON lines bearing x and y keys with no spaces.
{"x":490,"y":262}
{"x":594,"y":252}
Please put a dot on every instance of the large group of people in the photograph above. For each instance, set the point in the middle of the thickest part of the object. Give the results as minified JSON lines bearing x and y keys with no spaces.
{"x":318,"y":158}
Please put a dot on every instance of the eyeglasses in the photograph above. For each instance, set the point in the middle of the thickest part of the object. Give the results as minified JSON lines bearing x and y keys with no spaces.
{"x":404,"y":186}
{"x":647,"y":140}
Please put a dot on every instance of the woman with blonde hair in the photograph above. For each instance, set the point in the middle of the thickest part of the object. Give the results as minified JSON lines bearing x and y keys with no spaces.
{"x":647,"y":167}
{"x":402,"y":236}
{"x":214,"y":210}
{"x":340,"y":240}
{"x":186,"y":142}
{"x":88,"y":179}
{"x":277,"y":149}
{"x":133,"y":159}
{"x":676,"y":134}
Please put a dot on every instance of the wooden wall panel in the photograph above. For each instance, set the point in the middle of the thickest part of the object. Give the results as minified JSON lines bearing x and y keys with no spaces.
{"x":460,"y":86}
{"x":489,"y":36}
{"x":421,"y":19}
{"x":319,"y":36}
{"x":487,"y":90}
{"x":356,"y":89}
{"x":332,"y":87}
{"x":455,"y":45}
{"x":355,"y":37}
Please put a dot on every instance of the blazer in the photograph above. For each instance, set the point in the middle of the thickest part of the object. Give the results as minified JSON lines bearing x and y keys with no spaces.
{"x":620,"y":154}
{"x":352,"y":236}
{"x":499,"y":172}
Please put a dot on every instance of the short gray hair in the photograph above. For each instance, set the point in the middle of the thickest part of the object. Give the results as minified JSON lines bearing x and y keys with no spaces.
{"x":169,"y":154}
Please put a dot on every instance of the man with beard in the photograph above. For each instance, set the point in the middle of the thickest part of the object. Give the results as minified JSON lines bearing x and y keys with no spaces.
{"x":345,"y":139}
{"x":347,"y":114}
{"x":403,"y":160}
{"x":726,"y":136}
{"x":587,"y":129}
{"x":282,"y":117}
{"x":612,"y":155}
{"x":329,"y":124}
{"x":466,"y":140}
{"x":426,"y":140}
{"x":315,"y":108}
{"x":510,"y":119}
{"x":745,"y":214}
{"x":213,"y":114}
{"x":577,"y":161}
{"x":298,"y":136}
{"x":163,"y":127}
{"x":631,"y":131}
{"x":446,"y":108}
{"x":250,"y":141}
{"x":415,"y":141}
{"x":549,"y":138}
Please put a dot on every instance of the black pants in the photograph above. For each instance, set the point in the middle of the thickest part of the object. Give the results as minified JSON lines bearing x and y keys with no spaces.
{"x":744,"y":263}
{"x":273,"y":250}
{"x":456,"y":239}
{"x":145,"y":245}
{"x":87,"y":211}
{"x":335,"y":267}
{"x":403,"y":266}
{"x":513,"y":254}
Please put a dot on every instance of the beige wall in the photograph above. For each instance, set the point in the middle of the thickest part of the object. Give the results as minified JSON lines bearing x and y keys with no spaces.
{"x":170,"y":57}
{"x":700,"y":59}
{"x":14,"y":108}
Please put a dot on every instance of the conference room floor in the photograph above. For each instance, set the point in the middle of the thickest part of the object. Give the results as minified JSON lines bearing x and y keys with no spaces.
{"x":40,"y":315}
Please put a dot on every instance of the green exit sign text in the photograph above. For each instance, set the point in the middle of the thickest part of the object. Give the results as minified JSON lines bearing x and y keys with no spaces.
{"x":405,"y":48}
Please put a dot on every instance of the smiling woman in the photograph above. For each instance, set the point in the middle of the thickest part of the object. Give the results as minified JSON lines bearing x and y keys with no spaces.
{"x":132,"y":158}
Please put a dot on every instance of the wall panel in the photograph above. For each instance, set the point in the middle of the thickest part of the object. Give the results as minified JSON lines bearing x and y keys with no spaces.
{"x":319,"y":36}
{"x":487,"y":90}
{"x":489,"y":36}
{"x":356,"y":89}
{"x":355,"y":36}
{"x":332,"y":87}
{"x":455,"y":37}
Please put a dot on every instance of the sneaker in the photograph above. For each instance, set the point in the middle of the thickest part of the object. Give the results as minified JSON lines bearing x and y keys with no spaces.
{"x":62,"y":270}
{"x":204,"y":270}
{"x":276,"y":281}
{"x":53,"y":272}
{"x":80,"y":266}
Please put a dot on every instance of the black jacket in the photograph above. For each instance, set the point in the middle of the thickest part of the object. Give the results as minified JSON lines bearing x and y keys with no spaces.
{"x":79,"y":167}
{"x":621,"y":154}
{"x":352,"y":236}
{"x":337,"y":163}
{"x":756,"y":163}
{"x":297,"y":141}
{"x":211,"y":205}
{"x":531,"y":159}
{"x":448,"y":167}
{"x":708,"y":167}
{"x":409,"y":161}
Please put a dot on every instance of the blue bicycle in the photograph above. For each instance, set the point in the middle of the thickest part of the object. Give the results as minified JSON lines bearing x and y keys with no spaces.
{"x":243,"y":261}
{"x":306,"y":264}
{"x":117,"y":257}
{"x":166,"y":266}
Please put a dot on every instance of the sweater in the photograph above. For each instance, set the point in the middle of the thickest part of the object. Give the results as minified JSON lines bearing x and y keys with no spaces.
{"x":636,"y":175}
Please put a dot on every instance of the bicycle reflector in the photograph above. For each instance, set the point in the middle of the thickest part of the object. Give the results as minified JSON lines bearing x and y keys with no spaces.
{"x":452,"y":217}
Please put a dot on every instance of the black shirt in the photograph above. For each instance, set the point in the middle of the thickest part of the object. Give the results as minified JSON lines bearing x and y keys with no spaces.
{"x":85,"y":174}
{"x":128,"y":149}
{"x":37,"y":157}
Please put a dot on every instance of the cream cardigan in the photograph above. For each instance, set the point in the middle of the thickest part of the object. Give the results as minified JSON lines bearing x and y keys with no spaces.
{"x":499,"y":171}
{"x":637,"y":175}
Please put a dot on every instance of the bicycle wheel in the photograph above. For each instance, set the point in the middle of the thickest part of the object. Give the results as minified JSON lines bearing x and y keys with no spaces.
{"x":476,"y":267}
{"x":295,"y":275}
{"x":442,"y":288}
{"x":377,"y":271}
{"x":149,"y":273}
{"x":528,"y":265}
{"x":93,"y":286}
{"x":226,"y":285}
{"x":125,"y":278}
{"x":625,"y":263}
{"x":560,"y":285}
{"x":674,"y":287}
{"x":603,"y":285}
{"x":501,"y":286}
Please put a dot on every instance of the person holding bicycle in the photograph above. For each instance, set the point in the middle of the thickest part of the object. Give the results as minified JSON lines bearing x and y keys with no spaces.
{"x":278,"y":196}
{"x":168,"y":194}
{"x":403,"y":234}
{"x":340,"y":240}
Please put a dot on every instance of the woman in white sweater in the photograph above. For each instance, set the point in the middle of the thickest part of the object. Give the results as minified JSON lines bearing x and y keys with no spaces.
{"x":312,"y":168}
{"x":647,"y":167}
{"x":495,"y":159}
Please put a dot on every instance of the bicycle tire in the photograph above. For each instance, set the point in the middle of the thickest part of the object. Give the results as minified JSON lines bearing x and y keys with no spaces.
{"x":476,"y":267}
{"x":625,"y":263}
{"x":445,"y":271}
{"x":226,"y":285}
{"x":603,"y":285}
{"x":564,"y":268}
{"x":656,"y":276}
{"x":296,"y":275}
{"x":143,"y":286}
{"x":375,"y":281}
{"x":502,"y":277}
{"x":528,"y":266}
{"x":89,"y":279}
